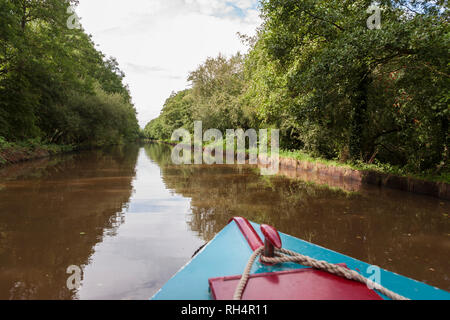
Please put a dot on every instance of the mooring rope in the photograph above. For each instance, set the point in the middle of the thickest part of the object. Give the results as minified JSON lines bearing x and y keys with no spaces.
{"x":283,"y":255}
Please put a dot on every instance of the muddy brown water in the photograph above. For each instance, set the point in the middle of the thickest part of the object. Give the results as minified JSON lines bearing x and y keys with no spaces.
{"x":129,"y":219}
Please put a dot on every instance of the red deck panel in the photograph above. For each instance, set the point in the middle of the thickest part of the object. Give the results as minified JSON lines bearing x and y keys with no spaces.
{"x":300,"y":284}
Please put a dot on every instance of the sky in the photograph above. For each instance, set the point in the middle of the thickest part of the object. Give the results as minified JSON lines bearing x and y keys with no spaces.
{"x":158,"y":42}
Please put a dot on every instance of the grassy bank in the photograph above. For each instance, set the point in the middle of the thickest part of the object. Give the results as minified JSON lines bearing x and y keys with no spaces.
{"x":299,"y":155}
{"x":444,"y":176}
{"x":15,"y":152}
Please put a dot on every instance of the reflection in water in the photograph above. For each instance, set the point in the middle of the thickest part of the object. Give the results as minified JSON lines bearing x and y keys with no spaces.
{"x":53,"y":215}
{"x":402,"y":232}
{"x":131,"y":219}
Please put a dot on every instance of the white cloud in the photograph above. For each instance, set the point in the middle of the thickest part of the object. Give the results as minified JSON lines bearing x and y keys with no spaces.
{"x":158,"y":42}
{"x":245,"y":4}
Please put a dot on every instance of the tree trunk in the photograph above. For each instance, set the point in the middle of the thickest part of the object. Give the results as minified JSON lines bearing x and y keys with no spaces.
{"x":358,"y":118}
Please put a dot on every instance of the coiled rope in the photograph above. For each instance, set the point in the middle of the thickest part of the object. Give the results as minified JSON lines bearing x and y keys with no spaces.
{"x":283,"y":255}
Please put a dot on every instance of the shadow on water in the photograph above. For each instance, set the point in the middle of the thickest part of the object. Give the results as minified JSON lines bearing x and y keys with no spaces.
{"x":52,"y":214}
{"x":402,"y":232}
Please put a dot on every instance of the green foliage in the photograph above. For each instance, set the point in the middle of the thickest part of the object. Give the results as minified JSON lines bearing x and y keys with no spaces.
{"x":4,"y":143}
{"x":217,"y":86}
{"x":340,"y":90}
{"x":336,"y":89}
{"x":216,"y":99}
{"x":54,"y":85}
{"x":176,"y":113}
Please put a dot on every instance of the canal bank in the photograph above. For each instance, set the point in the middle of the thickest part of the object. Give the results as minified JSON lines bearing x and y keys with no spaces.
{"x":16,"y":154}
{"x":11,"y":153}
{"x":350,"y":179}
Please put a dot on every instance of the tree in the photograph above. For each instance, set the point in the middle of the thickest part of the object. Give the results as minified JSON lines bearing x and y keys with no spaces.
{"x":46,"y":69}
{"x":334,"y":87}
{"x":318,"y":65}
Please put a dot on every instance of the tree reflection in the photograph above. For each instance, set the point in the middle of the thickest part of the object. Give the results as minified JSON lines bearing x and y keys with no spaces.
{"x":399,"y":231}
{"x":53,"y":216}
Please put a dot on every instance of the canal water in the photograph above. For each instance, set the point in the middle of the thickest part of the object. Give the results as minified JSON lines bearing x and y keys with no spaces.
{"x":129,"y":219}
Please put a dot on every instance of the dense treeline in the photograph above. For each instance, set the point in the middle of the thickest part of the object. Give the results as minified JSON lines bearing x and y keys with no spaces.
{"x":55,"y":87}
{"x":334,"y":87}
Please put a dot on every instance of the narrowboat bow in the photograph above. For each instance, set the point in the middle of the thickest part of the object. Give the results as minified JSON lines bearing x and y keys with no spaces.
{"x":284,"y":268}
